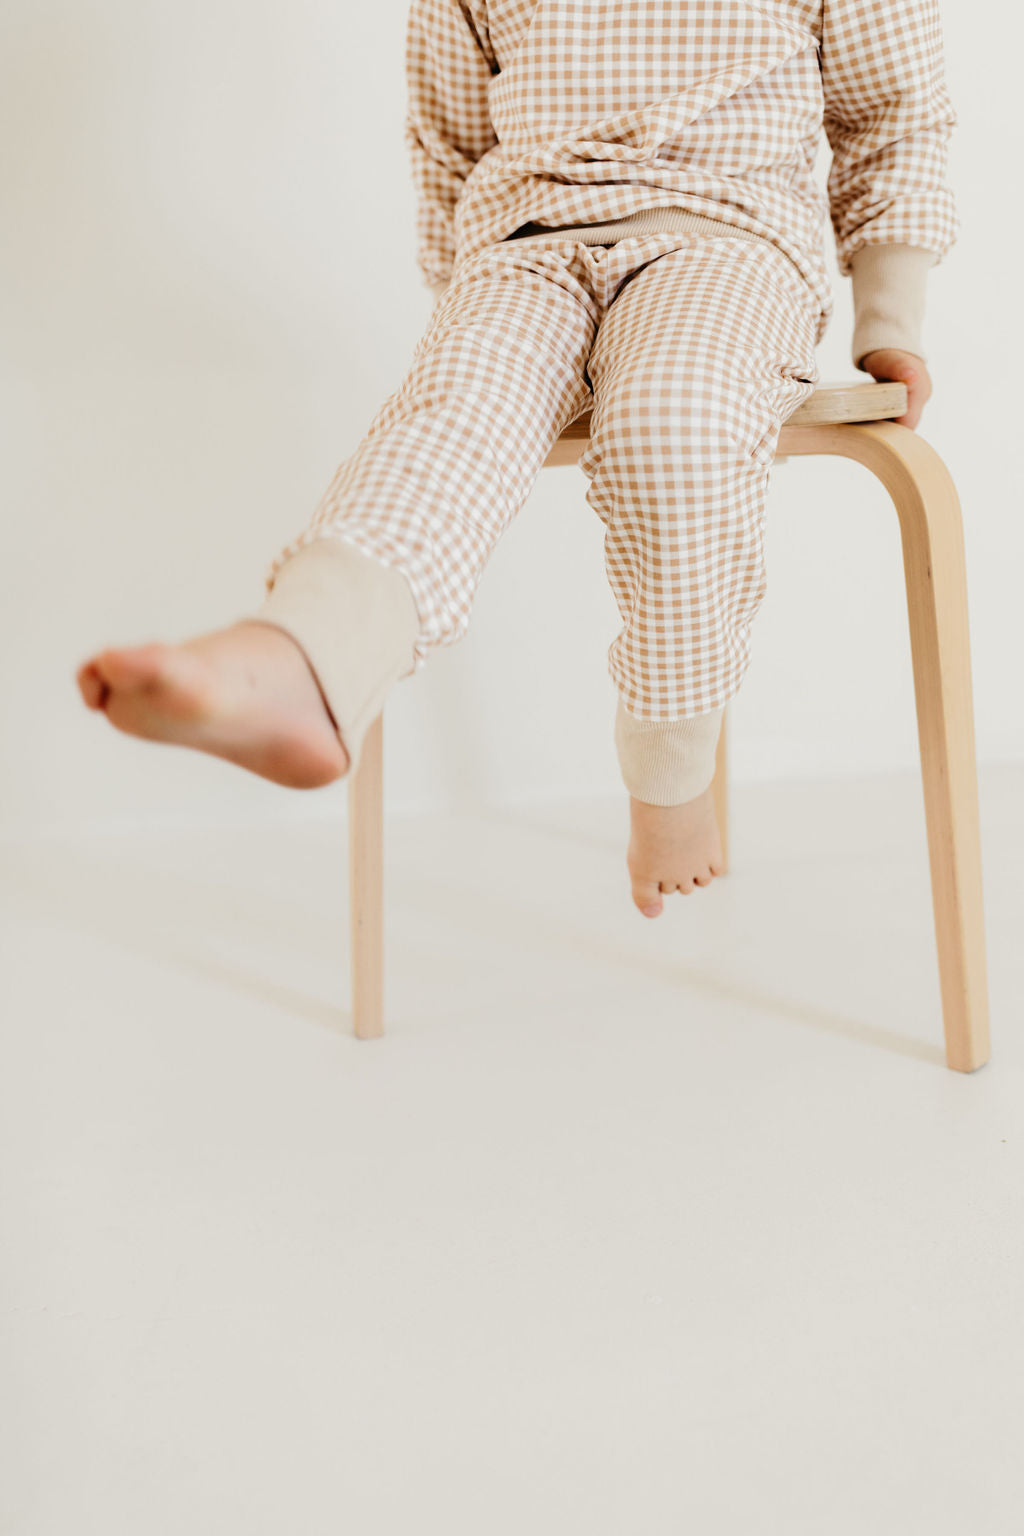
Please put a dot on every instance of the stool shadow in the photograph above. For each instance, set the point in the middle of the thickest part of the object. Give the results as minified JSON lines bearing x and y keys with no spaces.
{"x":487,"y":911}
{"x":136,"y":909}
{"x":129,"y":919}
{"x":622,"y":953}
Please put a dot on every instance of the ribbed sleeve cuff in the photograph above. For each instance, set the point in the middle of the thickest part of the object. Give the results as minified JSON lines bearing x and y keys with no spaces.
{"x":355,"y":620}
{"x":667,"y":762}
{"x":889,"y":285}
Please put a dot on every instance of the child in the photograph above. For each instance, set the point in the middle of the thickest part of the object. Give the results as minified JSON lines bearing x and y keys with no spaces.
{"x":616,"y":210}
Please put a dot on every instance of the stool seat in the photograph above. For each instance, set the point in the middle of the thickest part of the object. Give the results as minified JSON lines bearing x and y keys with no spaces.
{"x":833,"y":402}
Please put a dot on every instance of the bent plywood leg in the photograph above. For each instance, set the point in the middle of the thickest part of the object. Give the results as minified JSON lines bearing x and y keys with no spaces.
{"x":931,"y":527}
{"x":366,"y":883}
{"x":720,"y":789}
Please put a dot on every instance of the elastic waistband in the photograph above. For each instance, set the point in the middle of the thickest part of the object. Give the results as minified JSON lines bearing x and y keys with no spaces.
{"x":646,"y":221}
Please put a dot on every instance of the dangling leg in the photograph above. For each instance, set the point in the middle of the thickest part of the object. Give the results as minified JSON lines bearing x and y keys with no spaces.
{"x":698,"y":361}
{"x":388,"y":568}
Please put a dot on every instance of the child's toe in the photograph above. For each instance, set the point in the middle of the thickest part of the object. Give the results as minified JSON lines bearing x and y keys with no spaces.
{"x":647,"y":898}
{"x":91,"y":686}
{"x":131,"y":668}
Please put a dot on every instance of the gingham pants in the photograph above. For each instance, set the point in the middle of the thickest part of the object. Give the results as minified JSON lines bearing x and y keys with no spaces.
{"x":692,"y":349}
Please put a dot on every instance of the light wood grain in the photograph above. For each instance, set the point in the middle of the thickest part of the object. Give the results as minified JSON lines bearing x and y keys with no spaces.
{"x":831,"y":402}
{"x":366,"y":883}
{"x":931,"y":529}
{"x":720,"y":787}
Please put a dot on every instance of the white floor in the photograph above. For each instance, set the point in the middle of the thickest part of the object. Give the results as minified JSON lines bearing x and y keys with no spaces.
{"x":625,"y":1227}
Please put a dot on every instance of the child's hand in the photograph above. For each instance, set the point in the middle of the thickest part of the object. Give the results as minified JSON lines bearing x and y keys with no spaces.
{"x":890,"y":364}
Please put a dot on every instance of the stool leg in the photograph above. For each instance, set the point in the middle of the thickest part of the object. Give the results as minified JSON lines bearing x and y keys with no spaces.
{"x":931,"y":526}
{"x":720,"y":789}
{"x":366,"y":884}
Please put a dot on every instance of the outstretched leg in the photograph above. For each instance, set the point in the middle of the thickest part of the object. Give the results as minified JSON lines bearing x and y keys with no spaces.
{"x":388,"y":568}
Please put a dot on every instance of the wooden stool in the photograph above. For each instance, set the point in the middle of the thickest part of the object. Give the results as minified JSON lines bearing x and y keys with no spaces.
{"x":853,"y":420}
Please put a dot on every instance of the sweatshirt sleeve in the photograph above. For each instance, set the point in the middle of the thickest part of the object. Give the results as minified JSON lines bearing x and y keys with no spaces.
{"x":449,"y":65}
{"x":888,"y":118}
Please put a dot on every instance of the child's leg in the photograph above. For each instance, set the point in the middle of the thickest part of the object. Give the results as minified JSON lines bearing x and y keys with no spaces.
{"x":697,"y":362}
{"x":389,"y":566}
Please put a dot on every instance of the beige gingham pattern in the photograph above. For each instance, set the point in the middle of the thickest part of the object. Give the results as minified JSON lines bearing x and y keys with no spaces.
{"x":573,"y":111}
{"x":692,"y":348}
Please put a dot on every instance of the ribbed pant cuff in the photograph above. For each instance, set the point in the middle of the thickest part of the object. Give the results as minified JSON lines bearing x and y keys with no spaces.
{"x":667,"y":762}
{"x":356,"y":622}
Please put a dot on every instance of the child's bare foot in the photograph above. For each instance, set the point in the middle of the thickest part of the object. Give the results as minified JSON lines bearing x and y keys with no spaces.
{"x":672,"y":847}
{"x":245,"y":693}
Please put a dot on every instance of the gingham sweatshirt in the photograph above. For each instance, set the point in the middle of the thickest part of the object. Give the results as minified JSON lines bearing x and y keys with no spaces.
{"x":668,"y":113}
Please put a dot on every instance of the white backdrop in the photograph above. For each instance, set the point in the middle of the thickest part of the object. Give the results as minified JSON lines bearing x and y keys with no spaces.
{"x":208,"y":287}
